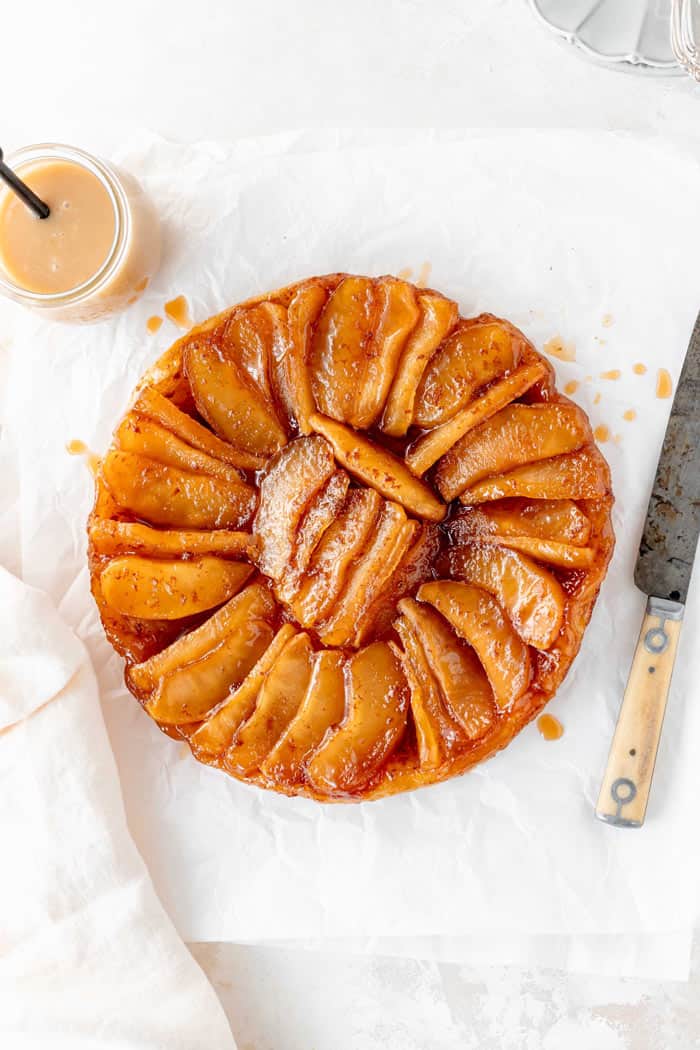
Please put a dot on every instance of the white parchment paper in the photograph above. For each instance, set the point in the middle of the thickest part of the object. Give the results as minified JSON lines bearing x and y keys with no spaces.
{"x":587,"y":237}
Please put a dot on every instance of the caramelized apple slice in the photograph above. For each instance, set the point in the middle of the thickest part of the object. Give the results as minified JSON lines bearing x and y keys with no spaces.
{"x":339,"y":347}
{"x":562,"y":555}
{"x":190,"y":692}
{"x":215,"y":735}
{"x":160,"y":589}
{"x":254,"y":338}
{"x":579,"y":475}
{"x":516,"y":435}
{"x":166,"y":495}
{"x":369,"y":576}
{"x":230,"y":403}
{"x":531,"y":596}
{"x":343,"y":543}
{"x":294,"y":478}
{"x":129,"y":537}
{"x":378,"y":698}
{"x":278,"y":701}
{"x":478,"y":618}
{"x":323,"y":706}
{"x":380,"y":469}
{"x":148,"y":438}
{"x":253,"y":603}
{"x":436,"y":733}
{"x":152,"y":404}
{"x":436,"y":443}
{"x":321,"y":514}
{"x":294,"y":379}
{"x":561,"y":520}
{"x":464,"y":687}
{"x":477,"y":352}
{"x":437,"y":317}
{"x":397,"y":316}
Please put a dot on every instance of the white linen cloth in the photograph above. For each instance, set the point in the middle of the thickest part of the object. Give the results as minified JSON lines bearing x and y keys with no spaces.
{"x":88,"y":957}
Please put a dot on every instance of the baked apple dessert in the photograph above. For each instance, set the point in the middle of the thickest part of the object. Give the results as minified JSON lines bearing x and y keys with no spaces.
{"x":347,"y":541}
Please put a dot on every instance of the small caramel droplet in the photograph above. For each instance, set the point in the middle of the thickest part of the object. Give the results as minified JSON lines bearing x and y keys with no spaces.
{"x":153,"y":324}
{"x":405,"y":273}
{"x":424,"y":275}
{"x":607,"y":320}
{"x":629,"y":415}
{"x":93,"y":463}
{"x":664,"y":383}
{"x":179,"y":312}
{"x":602,"y":433}
{"x":76,"y":447}
{"x":142,"y":285}
{"x":614,"y":373}
{"x":596,"y":399}
{"x":550,"y":727}
{"x":571,"y":387}
{"x":556,"y":347}
{"x":639,"y":369}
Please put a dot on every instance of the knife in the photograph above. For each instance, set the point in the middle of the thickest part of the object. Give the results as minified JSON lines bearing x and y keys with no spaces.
{"x":663,"y":569}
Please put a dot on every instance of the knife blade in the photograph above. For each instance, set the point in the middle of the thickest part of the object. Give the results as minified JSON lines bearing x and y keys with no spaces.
{"x":663,"y":570}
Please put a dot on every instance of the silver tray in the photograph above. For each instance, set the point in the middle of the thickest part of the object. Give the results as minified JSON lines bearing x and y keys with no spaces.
{"x":629,"y":35}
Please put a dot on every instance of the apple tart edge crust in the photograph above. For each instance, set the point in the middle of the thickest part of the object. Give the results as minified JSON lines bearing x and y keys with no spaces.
{"x":347,"y":541}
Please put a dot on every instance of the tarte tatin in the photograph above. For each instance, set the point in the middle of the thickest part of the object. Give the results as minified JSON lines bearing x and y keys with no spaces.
{"x":347,"y":541}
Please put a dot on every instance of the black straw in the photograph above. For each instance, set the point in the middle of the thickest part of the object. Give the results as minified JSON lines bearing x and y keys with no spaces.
{"x":39,"y":207}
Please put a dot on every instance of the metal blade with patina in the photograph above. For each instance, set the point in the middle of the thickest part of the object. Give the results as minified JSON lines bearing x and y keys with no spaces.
{"x":672,"y":526}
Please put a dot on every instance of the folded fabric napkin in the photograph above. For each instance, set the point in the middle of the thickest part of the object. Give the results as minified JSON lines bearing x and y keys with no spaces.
{"x":88,"y":956}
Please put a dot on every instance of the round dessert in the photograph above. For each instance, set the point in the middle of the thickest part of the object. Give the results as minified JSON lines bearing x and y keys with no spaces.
{"x":347,"y":541}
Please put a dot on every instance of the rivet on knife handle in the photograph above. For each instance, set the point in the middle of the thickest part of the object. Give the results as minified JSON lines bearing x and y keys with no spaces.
{"x":627,"y":781}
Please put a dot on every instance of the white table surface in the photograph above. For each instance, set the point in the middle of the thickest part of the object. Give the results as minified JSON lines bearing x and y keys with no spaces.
{"x":90,"y":73}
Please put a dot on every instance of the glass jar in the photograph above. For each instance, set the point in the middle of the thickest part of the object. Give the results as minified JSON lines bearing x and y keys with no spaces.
{"x":132,"y":260}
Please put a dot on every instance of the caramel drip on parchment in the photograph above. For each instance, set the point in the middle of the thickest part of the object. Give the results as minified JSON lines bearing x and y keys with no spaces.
{"x":602,"y":433}
{"x":76,"y":447}
{"x":556,"y":347}
{"x":178,"y":311}
{"x":154,"y":323}
{"x":664,"y":383}
{"x":614,"y":373}
{"x":550,"y":727}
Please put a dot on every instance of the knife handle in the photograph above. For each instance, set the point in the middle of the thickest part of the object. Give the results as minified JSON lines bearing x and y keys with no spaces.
{"x":624,"y":792}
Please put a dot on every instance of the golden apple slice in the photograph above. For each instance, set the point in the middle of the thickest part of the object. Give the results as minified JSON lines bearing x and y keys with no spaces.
{"x":561,"y":555}
{"x":253,"y":603}
{"x":478,"y":618}
{"x":368,"y":577}
{"x":230,"y":403}
{"x":561,"y":520}
{"x":129,"y":537}
{"x":254,"y":338}
{"x":437,"y":735}
{"x":380,"y":469}
{"x":578,"y":475}
{"x":152,"y":404}
{"x":436,"y":443}
{"x":397,"y":314}
{"x":160,"y":589}
{"x":339,"y":346}
{"x":294,"y":376}
{"x":216,"y":734}
{"x":375,"y":721}
{"x":477,"y":352}
{"x":294,"y":478}
{"x":343,"y":543}
{"x":464,"y":687}
{"x":516,"y":435}
{"x":278,"y":701}
{"x":437,"y":318}
{"x":166,"y":495}
{"x":531,"y":596}
{"x":323,"y":706}
{"x":190,"y":692}
{"x":320,"y":515}
{"x":148,"y":438}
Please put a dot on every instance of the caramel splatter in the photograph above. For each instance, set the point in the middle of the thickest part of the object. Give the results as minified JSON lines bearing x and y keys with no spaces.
{"x":571,"y":387}
{"x":76,"y":447}
{"x":614,"y":373}
{"x":596,"y":399}
{"x":423,"y":275}
{"x":629,"y":415}
{"x":550,"y":727}
{"x":93,"y":462}
{"x":142,"y":285}
{"x":639,"y":369}
{"x":179,"y":312}
{"x":607,"y":320}
{"x":405,"y":274}
{"x":154,"y":323}
{"x":556,"y":347}
{"x":664,"y":383}
{"x":602,"y":433}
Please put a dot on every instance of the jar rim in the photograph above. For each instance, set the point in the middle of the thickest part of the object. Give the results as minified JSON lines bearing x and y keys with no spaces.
{"x":109,"y":179}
